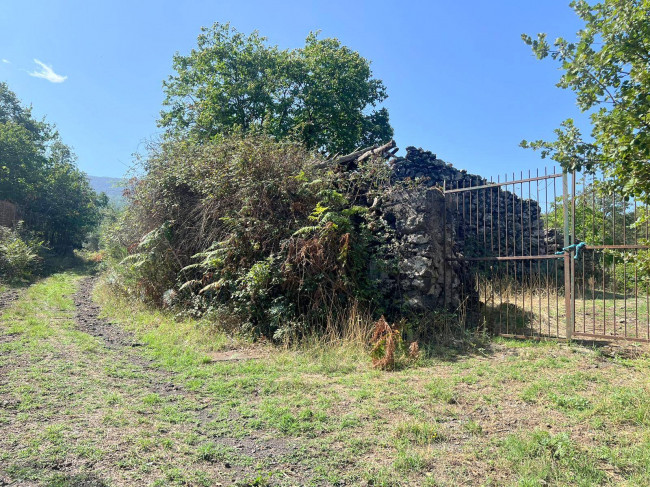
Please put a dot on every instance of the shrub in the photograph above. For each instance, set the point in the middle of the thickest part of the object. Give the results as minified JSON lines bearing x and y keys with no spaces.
{"x":19,"y":254}
{"x":256,"y":227}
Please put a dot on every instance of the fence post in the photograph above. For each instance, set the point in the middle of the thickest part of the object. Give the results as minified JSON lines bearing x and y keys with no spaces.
{"x":444,"y":244}
{"x":568,"y":276}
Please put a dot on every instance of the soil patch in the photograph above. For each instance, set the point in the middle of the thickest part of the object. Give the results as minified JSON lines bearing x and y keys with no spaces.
{"x":7,"y":298}
{"x":88,"y":320}
{"x":116,"y":338}
{"x":237,"y":355}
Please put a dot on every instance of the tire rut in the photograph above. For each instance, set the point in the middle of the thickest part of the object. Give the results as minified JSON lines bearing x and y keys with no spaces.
{"x":6,"y":299}
{"x":117,"y":339}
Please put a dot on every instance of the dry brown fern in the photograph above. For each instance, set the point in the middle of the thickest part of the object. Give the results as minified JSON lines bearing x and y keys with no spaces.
{"x":414,"y":351}
{"x":385,"y":340}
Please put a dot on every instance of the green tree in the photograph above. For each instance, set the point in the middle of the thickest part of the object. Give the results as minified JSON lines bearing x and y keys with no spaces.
{"x":608,"y":67}
{"x":324,"y":94}
{"x":39,"y":173}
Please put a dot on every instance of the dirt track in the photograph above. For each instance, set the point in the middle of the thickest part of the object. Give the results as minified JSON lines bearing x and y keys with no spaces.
{"x":161,"y":382}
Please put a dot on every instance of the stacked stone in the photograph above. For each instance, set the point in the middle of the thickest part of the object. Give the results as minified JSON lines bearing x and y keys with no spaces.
{"x":480,"y":219}
{"x":476,"y":227}
{"x":417,"y":218}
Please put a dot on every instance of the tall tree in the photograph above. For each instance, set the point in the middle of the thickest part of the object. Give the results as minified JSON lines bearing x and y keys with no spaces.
{"x":39,"y":173}
{"x":608,"y":67}
{"x":323,"y":94}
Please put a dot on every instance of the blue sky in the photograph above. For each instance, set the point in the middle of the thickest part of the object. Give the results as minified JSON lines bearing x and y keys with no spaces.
{"x":461,"y":83}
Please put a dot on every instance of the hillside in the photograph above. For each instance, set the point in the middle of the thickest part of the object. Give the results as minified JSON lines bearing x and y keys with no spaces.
{"x":113,"y":187}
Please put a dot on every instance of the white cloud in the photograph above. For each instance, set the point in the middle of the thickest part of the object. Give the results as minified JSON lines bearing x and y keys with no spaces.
{"x":47,"y":73}
{"x":6,"y":61}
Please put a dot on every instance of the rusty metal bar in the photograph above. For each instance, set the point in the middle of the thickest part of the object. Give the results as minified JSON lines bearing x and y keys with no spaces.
{"x":507,"y":257}
{"x":567,"y":257}
{"x":492,"y":185}
{"x":444,"y":245}
{"x":612,"y":337}
{"x":572,"y":251}
{"x":619,"y":246}
{"x":614,"y":257}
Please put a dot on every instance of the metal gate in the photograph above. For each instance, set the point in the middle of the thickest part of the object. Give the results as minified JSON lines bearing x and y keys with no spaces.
{"x":550,"y":255}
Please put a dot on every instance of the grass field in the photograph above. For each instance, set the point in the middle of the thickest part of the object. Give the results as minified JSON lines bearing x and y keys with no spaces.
{"x":176,"y":402}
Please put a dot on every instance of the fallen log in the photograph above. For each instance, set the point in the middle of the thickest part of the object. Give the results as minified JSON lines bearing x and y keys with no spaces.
{"x":351,"y":160}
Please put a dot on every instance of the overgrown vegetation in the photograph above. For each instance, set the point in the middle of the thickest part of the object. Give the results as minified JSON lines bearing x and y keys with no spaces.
{"x":254,"y":232}
{"x":19,"y":254}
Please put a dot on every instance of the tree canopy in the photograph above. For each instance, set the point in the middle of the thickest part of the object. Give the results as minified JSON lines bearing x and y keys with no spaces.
{"x":608,"y":68}
{"x":323,"y":94}
{"x":39,"y":173}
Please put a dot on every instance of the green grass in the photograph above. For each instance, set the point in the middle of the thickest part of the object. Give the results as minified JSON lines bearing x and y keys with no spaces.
{"x":176,"y":411}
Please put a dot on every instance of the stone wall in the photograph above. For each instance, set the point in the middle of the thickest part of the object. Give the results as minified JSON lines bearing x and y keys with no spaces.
{"x":418,"y":223}
{"x":480,"y":223}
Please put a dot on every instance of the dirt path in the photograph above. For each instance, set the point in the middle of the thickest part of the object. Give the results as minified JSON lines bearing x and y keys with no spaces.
{"x":257,"y":450}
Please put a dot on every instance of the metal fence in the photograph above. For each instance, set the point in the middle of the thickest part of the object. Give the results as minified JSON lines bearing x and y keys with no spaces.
{"x":551,"y":255}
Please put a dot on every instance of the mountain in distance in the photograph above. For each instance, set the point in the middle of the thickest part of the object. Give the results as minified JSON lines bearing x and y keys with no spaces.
{"x":113,"y":187}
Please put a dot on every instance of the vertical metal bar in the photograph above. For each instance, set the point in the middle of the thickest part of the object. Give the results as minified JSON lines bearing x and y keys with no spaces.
{"x":469,"y":195}
{"x":464,"y":193}
{"x":548,"y":294}
{"x":478,"y":207}
{"x":444,"y":244}
{"x":514,"y":246}
{"x":583,"y":227}
{"x":491,"y":219}
{"x":499,"y":192}
{"x":567,"y":257}
{"x":614,"y":257}
{"x":603,"y":203}
{"x":557,"y":282}
{"x":506,"y":250}
{"x":636,"y":289}
{"x":521,"y":205}
{"x":539,"y":265}
{"x":593,"y":254}
{"x":624,"y":268}
{"x":484,"y":223}
{"x":572,"y":252}
{"x":530,"y":252}
{"x":492,"y":268}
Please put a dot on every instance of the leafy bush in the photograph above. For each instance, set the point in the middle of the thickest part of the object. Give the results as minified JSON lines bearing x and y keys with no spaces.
{"x":255,"y":227}
{"x":19,"y":255}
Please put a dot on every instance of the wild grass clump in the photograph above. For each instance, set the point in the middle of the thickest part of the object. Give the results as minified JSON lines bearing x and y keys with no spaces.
{"x":248,"y":227}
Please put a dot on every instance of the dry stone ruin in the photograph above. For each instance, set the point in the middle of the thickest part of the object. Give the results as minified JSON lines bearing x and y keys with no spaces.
{"x":434,"y":232}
